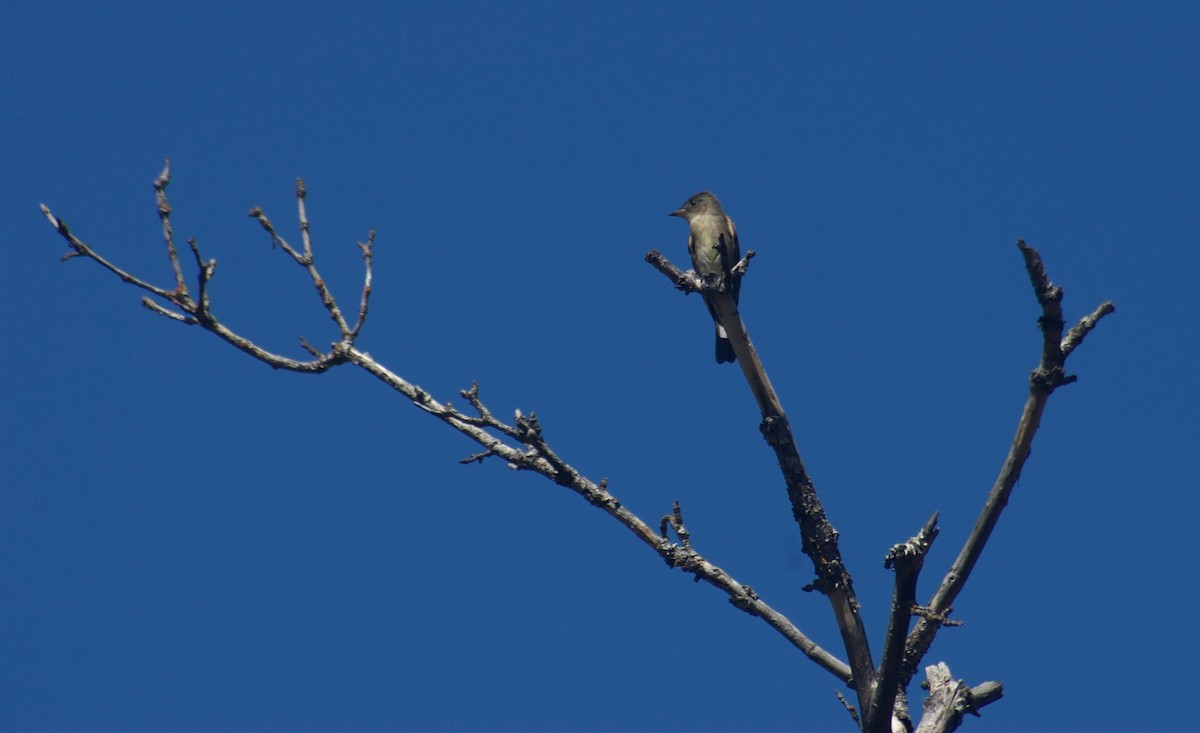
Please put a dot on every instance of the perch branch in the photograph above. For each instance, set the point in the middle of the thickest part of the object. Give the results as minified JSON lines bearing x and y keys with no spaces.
{"x":818,"y":537}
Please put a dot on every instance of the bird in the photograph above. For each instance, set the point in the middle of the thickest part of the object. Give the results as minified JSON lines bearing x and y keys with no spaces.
{"x":713,"y":245}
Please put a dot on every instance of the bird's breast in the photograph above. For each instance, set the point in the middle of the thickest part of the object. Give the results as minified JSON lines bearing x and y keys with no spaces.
{"x":706,"y":233}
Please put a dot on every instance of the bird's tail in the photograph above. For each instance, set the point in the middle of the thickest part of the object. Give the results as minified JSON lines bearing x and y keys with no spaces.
{"x":724,"y":348}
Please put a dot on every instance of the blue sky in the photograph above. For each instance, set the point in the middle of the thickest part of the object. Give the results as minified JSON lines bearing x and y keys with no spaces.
{"x":190,"y":541}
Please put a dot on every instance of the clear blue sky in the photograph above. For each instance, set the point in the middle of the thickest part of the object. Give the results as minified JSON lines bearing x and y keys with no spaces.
{"x":192,"y":542}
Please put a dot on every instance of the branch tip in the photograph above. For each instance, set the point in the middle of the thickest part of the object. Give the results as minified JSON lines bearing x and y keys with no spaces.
{"x":164,"y":178}
{"x":49,"y":217}
{"x":309,"y":348}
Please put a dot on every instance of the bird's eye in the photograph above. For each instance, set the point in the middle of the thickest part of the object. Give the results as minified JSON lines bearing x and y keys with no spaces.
{"x":692,"y":202}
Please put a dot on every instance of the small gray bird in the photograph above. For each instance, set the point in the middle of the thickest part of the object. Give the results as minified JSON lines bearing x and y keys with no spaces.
{"x":713,"y":245}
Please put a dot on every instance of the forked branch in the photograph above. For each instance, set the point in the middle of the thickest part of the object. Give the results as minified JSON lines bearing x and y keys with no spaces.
{"x":881,"y":692}
{"x":1048,"y":376}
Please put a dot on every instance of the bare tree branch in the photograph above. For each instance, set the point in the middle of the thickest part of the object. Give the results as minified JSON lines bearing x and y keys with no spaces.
{"x":79,"y":249}
{"x":539,"y":458}
{"x":818,"y":537}
{"x":528,"y":451}
{"x":1048,"y":376}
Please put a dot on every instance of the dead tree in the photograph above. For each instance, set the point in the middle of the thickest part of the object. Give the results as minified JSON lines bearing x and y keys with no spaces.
{"x":879,"y":684}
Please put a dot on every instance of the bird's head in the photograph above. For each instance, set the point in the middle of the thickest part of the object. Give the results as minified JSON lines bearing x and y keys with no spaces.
{"x":702,"y":203}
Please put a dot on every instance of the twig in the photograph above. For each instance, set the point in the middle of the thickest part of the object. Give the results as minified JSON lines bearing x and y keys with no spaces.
{"x":849,"y":706}
{"x":155,"y":307}
{"x":1080,"y":330}
{"x":79,"y":249}
{"x":197,"y":313}
{"x":164,"y":215}
{"x":204,"y":273}
{"x":306,"y":260}
{"x":674,"y":520}
{"x":364,"y":300}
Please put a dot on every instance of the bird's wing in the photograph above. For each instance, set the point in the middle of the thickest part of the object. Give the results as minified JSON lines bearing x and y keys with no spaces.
{"x":733,"y":253}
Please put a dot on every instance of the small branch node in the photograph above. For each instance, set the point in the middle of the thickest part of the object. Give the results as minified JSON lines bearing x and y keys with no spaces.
{"x":256,"y":213}
{"x":940,"y":619}
{"x":478,"y":458}
{"x":775,"y":430}
{"x":674,"y":520}
{"x":164,"y":178}
{"x":739,"y":269}
{"x":529,"y":430}
{"x":1080,"y":330}
{"x":598,"y":495}
{"x":1047,"y":380}
{"x":915,"y":548}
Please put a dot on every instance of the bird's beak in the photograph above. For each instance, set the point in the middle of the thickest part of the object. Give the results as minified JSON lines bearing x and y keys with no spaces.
{"x":676,"y":212}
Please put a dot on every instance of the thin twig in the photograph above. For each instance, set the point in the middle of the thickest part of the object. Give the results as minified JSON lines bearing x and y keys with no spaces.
{"x":164,"y":215}
{"x":368,"y":249}
{"x":674,"y":520}
{"x":305,"y":236}
{"x":193,"y":313}
{"x":1080,"y":330}
{"x":204,"y":273}
{"x":79,"y":249}
{"x":305,"y":260}
{"x":257,"y":214}
{"x":849,"y":707}
{"x":151,"y":305}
